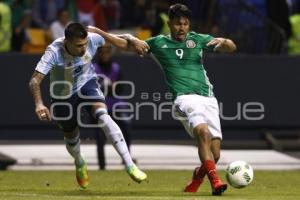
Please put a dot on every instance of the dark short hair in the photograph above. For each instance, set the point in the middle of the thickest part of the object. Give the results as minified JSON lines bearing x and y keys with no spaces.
{"x":75,"y":30}
{"x":178,"y":11}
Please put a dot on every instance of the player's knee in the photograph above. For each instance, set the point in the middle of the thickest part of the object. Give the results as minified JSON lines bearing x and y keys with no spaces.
{"x":69,"y":127}
{"x":202,"y":133}
{"x":71,"y":133}
{"x":102,"y":117}
{"x":100,"y":113}
{"x":106,"y":122}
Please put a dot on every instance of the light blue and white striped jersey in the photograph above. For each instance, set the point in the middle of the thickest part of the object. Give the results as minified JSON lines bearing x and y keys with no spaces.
{"x":68,"y":73}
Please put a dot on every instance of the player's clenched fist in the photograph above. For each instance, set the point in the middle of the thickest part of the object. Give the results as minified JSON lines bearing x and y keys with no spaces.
{"x":141,"y":47}
{"x":43,"y":113}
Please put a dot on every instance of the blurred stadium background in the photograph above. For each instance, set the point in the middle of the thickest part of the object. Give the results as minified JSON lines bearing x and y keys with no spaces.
{"x":257,"y":87}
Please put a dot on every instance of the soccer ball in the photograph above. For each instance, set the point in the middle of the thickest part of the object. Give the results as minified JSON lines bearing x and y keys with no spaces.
{"x":239,"y":174}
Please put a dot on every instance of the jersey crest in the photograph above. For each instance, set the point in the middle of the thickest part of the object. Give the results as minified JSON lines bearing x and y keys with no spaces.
{"x":190,"y":44}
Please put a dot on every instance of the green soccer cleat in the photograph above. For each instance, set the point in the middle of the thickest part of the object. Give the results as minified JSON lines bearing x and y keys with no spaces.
{"x":136,"y":174}
{"x":82,"y":176}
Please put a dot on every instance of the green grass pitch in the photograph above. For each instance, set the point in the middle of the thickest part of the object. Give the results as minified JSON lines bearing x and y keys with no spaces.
{"x":267,"y":185}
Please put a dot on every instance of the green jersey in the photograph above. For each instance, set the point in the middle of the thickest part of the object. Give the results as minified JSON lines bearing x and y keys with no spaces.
{"x":182,"y":63}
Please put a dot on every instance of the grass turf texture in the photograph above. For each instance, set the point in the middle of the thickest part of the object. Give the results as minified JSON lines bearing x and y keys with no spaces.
{"x":273,"y":185}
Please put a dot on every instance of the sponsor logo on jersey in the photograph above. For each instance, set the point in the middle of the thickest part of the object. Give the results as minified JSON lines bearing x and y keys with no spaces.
{"x":190,"y":44}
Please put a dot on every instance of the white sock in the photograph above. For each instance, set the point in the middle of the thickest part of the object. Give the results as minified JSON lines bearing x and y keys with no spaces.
{"x":113,"y":132}
{"x":73,"y":147}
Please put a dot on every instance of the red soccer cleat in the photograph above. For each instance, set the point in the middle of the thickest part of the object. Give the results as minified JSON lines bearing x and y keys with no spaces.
{"x":218,"y":187}
{"x":195,"y":183}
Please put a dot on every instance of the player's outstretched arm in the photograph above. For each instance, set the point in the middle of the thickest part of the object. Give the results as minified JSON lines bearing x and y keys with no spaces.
{"x":222,"y":45}
{"x":34,"y":84}
{"x":125,"y":41}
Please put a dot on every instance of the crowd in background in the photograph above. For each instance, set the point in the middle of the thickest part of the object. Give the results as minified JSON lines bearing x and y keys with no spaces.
{"x":249,"y":22}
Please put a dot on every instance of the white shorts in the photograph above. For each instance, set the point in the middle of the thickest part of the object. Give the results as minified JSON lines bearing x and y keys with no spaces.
{"x":194,"y":109}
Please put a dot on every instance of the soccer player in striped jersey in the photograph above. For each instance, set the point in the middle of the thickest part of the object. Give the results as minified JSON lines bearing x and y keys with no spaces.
{"x":74,"y":86}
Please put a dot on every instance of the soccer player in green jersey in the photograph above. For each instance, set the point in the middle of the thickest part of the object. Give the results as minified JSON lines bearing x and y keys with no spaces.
{"x":180,"y":56}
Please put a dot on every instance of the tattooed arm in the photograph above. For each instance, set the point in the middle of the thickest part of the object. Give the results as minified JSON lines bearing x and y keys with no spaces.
{"x":40,"y":109}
